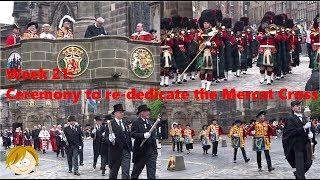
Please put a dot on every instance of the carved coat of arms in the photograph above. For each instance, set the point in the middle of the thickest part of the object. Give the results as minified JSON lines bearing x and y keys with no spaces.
{"x":142,"y":62}
{"x":74,"y":59}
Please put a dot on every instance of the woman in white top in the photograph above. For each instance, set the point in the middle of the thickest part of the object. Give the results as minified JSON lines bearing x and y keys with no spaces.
{"x":44,"y":138}
{"x":46,"y":28}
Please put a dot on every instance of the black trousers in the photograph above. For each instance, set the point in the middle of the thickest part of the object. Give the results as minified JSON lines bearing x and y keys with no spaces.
{"x":124,"y":162}
{"x":150,"y":161}
{"x":95,"y":158}
{"x":268,"y":158}
{"x":215,"y":147}
{"x":36,"y":144}
{"x":72,"y":156}
{"x":81,"y":155}
{"x":301,"y":166}
{"x":104,"y":161}
{"x":60,"y":148}
{"x":179,"y":146}
{"x":243,"y":153}
{"x":173,"y":144}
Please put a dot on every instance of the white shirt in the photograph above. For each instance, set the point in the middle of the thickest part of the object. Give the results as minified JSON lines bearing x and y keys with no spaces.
{"x":44,"y":134}
{"x":118,"y":122}
{"x":308,"y":40}
{"x":46,"y":36}
{"x":299,"y":115}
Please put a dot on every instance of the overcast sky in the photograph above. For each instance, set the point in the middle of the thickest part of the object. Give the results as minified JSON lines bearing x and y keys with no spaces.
{"x":6,"y":9}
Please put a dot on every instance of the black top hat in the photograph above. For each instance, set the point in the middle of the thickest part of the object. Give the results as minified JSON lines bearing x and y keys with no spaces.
{"x":245,"y":20}
{"x":143,"y":107}
{"x":71,"y":118}
{"x":227,"y":22}
{"x":15,"y":26}
{"x":152,"y":31}
{"x":32,"y":23}
{"x":108,"y":117}
{"x":293,"y":103}
{"x":237,"y":121}
{"x":238,"y":26}
{"x":278,"y":20}
{"x":118,"y":107}
{"x":261,"y":113}
{"x":97,"y":118}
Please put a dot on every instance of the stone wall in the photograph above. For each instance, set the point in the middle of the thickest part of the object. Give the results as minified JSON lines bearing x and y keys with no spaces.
{"x":107,"y":55}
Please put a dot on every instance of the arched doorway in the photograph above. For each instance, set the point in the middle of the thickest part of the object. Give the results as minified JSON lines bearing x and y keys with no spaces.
{"x":181,"y":118}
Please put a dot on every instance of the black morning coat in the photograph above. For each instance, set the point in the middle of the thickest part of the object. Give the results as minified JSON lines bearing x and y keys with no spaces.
{"x":99,"y":143}
{"x":74,"y":137}
{"x":295,"y":139}
{"x":122,"y":141}
{"x":139,"y":127}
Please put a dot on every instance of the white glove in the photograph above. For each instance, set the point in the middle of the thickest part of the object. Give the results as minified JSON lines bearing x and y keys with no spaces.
{"x":307,"y":125}
{"x":236,"y":135}
{"x":94,"y":131}
{"x":103,"y":134}
{"x":310,"y":135}
{"x":112,"y":137}
{"x":253,"y":132}
{"x":80,"y":147}
{"x":208,"y":43}
{"x":146,"y":135}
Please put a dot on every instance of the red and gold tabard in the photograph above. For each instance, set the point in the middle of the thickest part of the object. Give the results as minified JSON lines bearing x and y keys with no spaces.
{"x":142,"y":36}
{"x":315,"y":35}
{"x":13,"y":39}
{"x":29,"y":35}
{"x":238,"y":131}
{"x":262,"y":130}
{"x":188,"y":135}
{"x":18,"y":138}
{"x":64,"y":33}
{"x":214,"y":130}
{"x":173,"y":132}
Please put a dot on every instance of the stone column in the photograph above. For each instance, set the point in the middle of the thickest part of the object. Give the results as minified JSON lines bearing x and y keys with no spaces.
{"x":85,"y":18}
{"x":155,"y":17}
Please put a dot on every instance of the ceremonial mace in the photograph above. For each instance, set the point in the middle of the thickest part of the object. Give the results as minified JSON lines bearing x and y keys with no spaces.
{"x":110,"y":129}
{"x":152,"y":129}
{"x":215,"y":31}
{"x":307,"y":113}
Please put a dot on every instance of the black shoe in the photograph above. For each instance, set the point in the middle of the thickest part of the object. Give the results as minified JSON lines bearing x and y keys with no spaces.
{"x":77,"y":174}
{"x":166,"y":85}
{"x":81,"y":164}
{"x":94,"y":166}
{"x":69,"y":171}
{"x":100,"y":168}
{"x":270,"y":169}
{"x":234,"y":161}
{"x":179,"y":82}
{"x":174,"y":150}
{"x":103,"y":174}
{"x":259,"y":169}
{"x":247,"y":160}
{"x":184,"y":80}
{"x":295,"y":175}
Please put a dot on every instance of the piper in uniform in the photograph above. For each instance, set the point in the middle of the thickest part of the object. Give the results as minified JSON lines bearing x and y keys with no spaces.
{"x":210,"y":44}
{"x":120,"y":144}
{"x":281,"y":63}
{"x":238,"y":135}
{"x":315,"y":42}
{"x":229,"y":41}
{"x":14,"y":37}
{"x":262,"y":131}
{"x":241,"y":60}
{"x":65,"y":28}
{"x":267,"y":48}
{"x":247,"y":38}
{"x":98,"y":137}
{"x":166,"y":59}
{"x":192,"y":45}
{"x":147,"y":154}
{"x":293,"y":43}
{"x":31,"y":31}
{"x":214,"y":132}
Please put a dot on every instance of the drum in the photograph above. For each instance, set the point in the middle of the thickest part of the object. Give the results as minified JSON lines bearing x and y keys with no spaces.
{"x":258,"y":143}
{"x":235,"y":142}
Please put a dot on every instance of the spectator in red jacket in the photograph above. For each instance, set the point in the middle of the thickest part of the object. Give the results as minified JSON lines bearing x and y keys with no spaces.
{"x":14,"y":37}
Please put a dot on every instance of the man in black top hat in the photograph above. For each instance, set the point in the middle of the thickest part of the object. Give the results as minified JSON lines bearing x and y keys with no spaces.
{"x":98,"y":136}
{"x":147,"y":154}
{"x":74,"y":138}
{"x":296,"y":141}
{"x":120,"y":144}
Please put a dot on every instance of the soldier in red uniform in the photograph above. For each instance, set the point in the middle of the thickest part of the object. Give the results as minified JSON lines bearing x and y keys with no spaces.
{"x":247,"y":39}
{"x":14,"y":37}
{"x":210,"y":45}
{"x":18,"y":137}
{"x":141,"y":34}
{"x":267,"y":48}
{"x":166,"y":58}
{"x":315,"y":42}
{"x":241,"y":43}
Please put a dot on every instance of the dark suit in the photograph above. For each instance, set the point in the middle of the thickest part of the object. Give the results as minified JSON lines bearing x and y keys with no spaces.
{"x":120,"y":152}
{"x":296,"y":145}
{"x":35,"y":137}
{"x":97,"y":144}
{"x":74,"y":140}
{"x":104,"y":152}
{"x":60,"y":143}
{"x":93,"y":31}
{"x":145,"y":155}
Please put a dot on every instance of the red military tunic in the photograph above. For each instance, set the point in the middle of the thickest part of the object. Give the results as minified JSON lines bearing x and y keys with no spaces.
{"x":17,"y":138}
{"x":293,"y":41}
{"x":315,"y":35}
{"x":13,"y":39}
{"x":142,"y":36}
{"x":263,"y":40}
{"x":53,"y":140}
